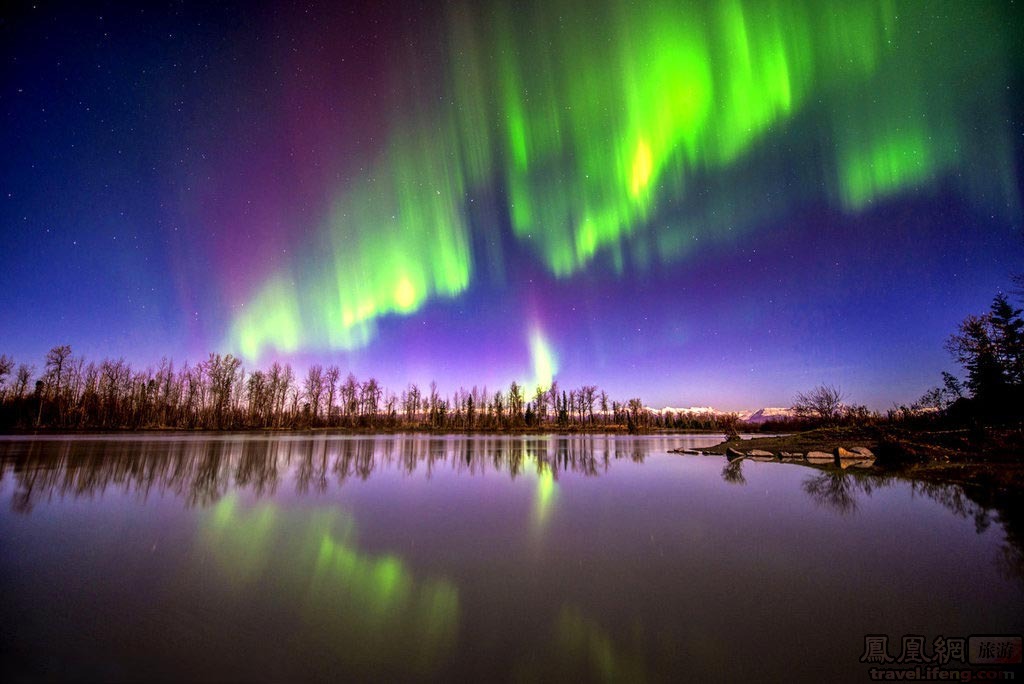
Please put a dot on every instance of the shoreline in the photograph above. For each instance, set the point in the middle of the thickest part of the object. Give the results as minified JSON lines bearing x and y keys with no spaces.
{"x":343,"y":430}
{"x":990,"y":459}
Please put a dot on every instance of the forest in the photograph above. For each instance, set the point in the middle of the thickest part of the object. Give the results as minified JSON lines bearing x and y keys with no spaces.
{"x":72,"y":393}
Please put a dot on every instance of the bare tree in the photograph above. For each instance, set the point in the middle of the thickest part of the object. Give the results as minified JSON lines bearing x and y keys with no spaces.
{"x":314,"y":390}
{"x":370,"y":395}
{"x":53,"y":379}
{"x":6,"y":365}
{"x":588,"y":393}
{"x":21,"y":379}
{"x":257,"y":393}
{"x":553,"y":398}
{"x":823,"y":403}
{"x":331,"y":378}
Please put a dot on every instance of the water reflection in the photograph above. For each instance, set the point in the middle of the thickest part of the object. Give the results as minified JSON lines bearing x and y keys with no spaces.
{"x":202,"y":471}
{"x":732,"y":472}
{"x":838,"y":490}
{"x":547,"y":490}
{"x":581,"y":648}
{"x":570,"y":563}
{"x":375,"y":600}
{"x":842,"y":491}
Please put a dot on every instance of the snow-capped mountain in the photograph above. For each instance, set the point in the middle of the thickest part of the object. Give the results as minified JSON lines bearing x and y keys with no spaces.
{"x":770,"y":413}
{"x":760,"y":416}
{"x":689,"y":411}
{"x":700,"y":411}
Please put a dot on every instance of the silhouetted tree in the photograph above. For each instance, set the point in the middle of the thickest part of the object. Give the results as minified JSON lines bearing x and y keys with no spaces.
{"x":6,"y":365}
{"x":314,"y":388}
{"x":21,"y":380}
{"x":515,"y":404}
{"x":824,"y":403}
{"x":540,"y":409}
{"x":369,"y":400}
{"x":990,"y":348}
{"x":331,"y":379}
{"x":53,"y":379}
{"x":943,"y":397}
{"x":1008,"y":338}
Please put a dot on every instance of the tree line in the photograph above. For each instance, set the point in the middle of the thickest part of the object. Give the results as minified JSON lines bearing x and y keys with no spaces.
{"x":72,"y":393}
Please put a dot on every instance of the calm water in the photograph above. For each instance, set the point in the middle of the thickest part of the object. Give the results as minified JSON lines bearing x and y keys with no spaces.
{"x":498,"y":558}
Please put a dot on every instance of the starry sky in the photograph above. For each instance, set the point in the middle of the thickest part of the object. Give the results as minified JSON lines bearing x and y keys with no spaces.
{"x":697,"y":203}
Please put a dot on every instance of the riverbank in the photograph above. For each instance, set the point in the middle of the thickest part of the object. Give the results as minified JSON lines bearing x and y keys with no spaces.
{"x":893,"y":445}
{"x":983,"y":456}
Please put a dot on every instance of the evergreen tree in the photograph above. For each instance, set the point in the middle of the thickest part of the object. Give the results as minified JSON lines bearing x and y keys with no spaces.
{"x":991,"y":349}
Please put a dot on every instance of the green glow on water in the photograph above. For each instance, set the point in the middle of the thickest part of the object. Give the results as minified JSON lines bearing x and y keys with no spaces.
{"x":377,"y":599}
{"x":544,"y":497}
{"x":584,"y":641}
{"x":312,"y":557}
{"x":240,"y":537}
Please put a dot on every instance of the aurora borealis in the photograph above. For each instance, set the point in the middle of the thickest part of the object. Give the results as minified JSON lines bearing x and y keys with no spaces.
{"x":693,"y":202}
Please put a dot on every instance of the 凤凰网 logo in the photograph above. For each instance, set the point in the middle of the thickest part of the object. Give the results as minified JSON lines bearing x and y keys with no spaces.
{"x":943,"y":658}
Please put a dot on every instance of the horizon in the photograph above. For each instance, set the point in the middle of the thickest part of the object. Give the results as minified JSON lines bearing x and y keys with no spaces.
{"x":368,"y":187}
{"x":300,"y":373}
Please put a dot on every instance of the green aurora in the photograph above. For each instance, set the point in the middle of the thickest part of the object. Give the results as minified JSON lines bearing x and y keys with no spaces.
{"x":614,"y":136}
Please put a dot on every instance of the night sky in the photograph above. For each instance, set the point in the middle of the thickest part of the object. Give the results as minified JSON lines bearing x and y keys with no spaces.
{"x":696,"y":203}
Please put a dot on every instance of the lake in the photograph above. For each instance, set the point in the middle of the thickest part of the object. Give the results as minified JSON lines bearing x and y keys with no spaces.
{"x":411,"y":557}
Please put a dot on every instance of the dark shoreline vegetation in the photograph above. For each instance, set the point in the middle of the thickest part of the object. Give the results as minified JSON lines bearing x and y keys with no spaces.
{"x":988,"y":456}
{"x":75,"y":395}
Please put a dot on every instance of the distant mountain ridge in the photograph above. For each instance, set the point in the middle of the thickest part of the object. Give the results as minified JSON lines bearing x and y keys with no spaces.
{"x":771,"y":413}
{"x":762,"y":415}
